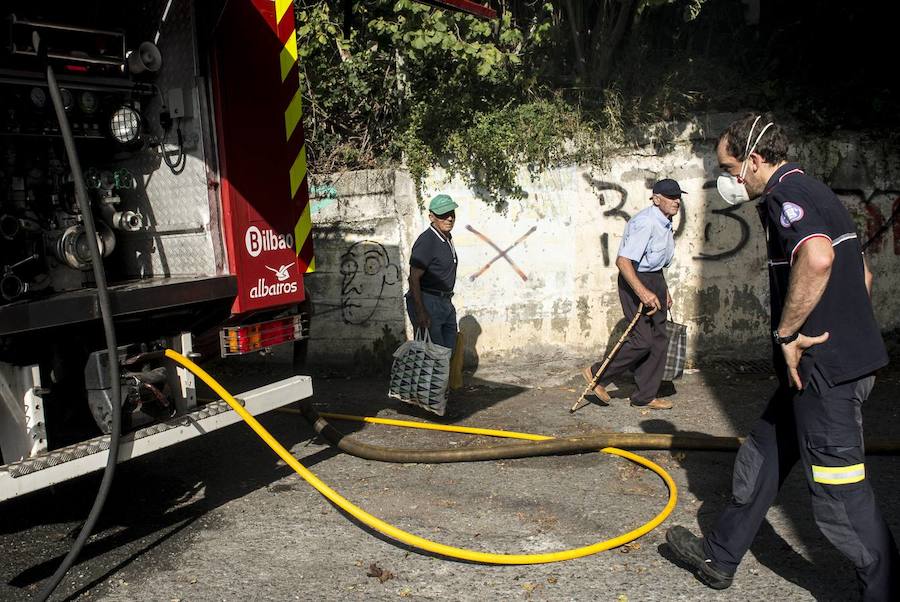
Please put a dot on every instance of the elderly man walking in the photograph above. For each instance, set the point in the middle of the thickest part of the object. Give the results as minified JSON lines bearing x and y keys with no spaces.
{"x":647,"y":247}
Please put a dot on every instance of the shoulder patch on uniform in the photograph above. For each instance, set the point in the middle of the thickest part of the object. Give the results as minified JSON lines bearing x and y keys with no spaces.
{"x":791,"y":213}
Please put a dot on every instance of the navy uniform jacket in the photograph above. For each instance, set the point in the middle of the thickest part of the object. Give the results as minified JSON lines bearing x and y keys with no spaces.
{"x":794,"y":209}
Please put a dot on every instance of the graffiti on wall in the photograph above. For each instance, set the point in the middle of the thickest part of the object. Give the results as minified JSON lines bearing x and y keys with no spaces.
{"x":869,"y":216}
{"x":871,"y":219}
{"x":322,"y":197}
{"x":604,"y":188}
{"x":504,"y":253}
{"x":366,"y":270}
{"x":728,"y":212}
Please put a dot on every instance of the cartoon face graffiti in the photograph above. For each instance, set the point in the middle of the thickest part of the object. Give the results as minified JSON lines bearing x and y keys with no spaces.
{"x":366,"y":270}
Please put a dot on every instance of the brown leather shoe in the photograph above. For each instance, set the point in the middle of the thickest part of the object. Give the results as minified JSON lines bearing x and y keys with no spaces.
{"x":599,"y":391}
{"x":656,"y":404}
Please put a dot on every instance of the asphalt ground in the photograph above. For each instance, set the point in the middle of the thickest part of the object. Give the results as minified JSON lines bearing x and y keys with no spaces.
{"x":222,"y":518}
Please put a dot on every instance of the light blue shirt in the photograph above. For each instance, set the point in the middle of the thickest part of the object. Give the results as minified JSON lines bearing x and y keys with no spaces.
{"x":649,"y":240}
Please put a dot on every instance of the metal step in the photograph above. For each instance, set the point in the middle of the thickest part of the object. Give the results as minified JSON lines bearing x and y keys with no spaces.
{"x":89,"y":456}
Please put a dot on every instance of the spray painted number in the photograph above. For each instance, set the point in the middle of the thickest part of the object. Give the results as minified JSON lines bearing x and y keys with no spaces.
{"x":728,"y":212}
{"x":617,"y":211}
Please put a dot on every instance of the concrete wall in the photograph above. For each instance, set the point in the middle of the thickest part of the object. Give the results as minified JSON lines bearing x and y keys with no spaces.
{"x":537,"y":277}
{"x":363,"y":225}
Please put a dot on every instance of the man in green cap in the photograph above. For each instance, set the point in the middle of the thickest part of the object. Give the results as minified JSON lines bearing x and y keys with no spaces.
{"x":432,"y":275}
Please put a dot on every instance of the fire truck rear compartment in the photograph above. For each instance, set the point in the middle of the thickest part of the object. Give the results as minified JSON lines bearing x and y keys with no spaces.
{"x":146,"y":145}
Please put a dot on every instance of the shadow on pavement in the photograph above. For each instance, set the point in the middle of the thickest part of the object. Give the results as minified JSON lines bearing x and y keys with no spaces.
{"x":709,"y":480}
{"x":155,"y":497}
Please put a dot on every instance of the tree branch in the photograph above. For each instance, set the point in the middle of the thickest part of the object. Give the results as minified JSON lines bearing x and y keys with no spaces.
{"x":580,"y":63}
{"x":607,"y":52}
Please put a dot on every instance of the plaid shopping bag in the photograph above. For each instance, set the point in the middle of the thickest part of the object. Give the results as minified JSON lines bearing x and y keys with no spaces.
{"x":677,"y":351}
{"x":420,"y":373}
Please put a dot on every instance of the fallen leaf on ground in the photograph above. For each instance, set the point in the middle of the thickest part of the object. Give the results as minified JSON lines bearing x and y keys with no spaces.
{"x":379,"y":573}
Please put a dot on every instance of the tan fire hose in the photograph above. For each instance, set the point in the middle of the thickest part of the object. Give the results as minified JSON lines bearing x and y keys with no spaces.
{"x":609,"y":357}
{"x":550,"y":447}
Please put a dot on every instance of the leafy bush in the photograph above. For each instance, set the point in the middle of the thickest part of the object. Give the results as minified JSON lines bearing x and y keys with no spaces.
{"x":548,"y":84}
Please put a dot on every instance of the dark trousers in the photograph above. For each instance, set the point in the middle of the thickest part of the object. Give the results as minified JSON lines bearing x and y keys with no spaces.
{"x":820,"y":426}
{"x":443,"y":327}
{"x":644,"y":351}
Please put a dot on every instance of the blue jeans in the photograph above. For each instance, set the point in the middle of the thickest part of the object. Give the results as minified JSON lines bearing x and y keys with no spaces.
{"x":443,"y":318}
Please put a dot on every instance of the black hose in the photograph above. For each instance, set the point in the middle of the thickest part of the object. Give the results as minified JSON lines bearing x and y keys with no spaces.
{"x":550,"y":447}
{"x":177,"y":166}
{"x":108,"y":329}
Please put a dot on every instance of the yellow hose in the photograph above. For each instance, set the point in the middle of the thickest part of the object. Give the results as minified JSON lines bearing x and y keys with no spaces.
{"x":420,"y":542}
{"x":437,"y":427}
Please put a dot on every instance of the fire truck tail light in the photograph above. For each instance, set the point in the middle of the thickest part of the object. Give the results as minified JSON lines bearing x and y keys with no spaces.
{"x":237,"y":340}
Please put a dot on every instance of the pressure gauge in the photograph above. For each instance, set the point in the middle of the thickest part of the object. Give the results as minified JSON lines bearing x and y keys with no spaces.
{"x":68,"y":99}
{"x":87,"y":102}
{"x":38,"y":98}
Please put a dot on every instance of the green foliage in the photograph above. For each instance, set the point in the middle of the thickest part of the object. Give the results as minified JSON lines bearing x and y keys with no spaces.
{"x":539,"y":135}
{"x":428,"y":87}
{"x":542,"y":86}
{"x":409,"y":82}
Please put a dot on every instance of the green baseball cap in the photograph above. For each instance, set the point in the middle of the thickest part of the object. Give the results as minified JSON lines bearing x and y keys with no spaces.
{"x":441,"y":204}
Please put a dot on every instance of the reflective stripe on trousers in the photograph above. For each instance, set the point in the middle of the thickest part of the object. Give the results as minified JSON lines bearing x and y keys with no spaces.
{"x":821,"y":427}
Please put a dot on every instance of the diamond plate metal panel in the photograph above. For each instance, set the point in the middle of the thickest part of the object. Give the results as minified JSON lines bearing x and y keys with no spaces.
{"x":99,"y":444}
{"x":171,"y":254}
{"x":179,"y":239}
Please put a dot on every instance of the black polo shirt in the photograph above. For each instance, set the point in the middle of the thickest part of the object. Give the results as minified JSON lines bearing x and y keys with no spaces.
{"x":437,"y":256}
{"x":794,"y":209}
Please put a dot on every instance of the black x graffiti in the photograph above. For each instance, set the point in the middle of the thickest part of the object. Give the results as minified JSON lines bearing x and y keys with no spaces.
{"x":502,"y":254}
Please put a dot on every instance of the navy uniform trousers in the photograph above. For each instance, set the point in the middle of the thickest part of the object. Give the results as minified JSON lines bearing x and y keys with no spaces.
{"x":821,"y":427}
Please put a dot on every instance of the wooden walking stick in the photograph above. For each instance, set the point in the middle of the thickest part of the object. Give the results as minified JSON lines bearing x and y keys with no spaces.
{"x":593,"y":383}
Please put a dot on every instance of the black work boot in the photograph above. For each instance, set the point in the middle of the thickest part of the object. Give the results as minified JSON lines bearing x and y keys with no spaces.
{"x":689,"y":549}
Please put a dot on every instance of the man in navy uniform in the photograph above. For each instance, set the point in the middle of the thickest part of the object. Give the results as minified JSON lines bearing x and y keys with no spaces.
{"x":826,"y":346}
{"x":432,"y":275}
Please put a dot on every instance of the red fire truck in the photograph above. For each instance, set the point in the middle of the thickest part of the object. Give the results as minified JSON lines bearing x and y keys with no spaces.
{"x":185,"y":119}
{"x":153,"y":195}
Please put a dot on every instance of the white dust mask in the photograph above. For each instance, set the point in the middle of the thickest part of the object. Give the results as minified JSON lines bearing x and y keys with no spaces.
{"x":732,"y":188}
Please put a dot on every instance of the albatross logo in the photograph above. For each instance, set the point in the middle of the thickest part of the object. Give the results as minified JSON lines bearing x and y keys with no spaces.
{"x":281,"y":273}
